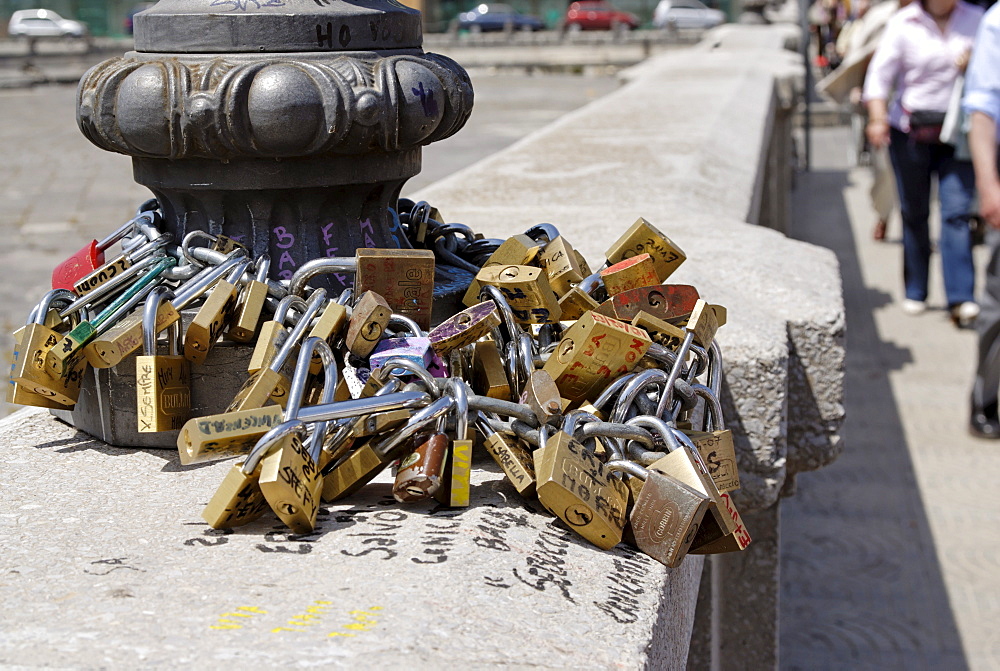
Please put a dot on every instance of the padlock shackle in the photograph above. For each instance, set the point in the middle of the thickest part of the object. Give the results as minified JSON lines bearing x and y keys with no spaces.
{"x":715,"y":367}
{"x":359,"y":408}
{"x":155,"y":298}
{"x":310,"y":269}
{"x":625,"y":466}
{"x":439,"y":408}
{"x":313,"y":306}
{"x":297,"y":389}
{"x":407,"y":325}
{"x":458,"y":390}
{"x":235,"y":276}
{"x":93,"y":297}
{"x":38,"y":313}
{"x":200,"y":283}
{"x":488,"y":292}
{"x":714,"y":406}
{"x":132,"y":296}
{"x":666,"y":400}
{"x":123,"y":231}
{"x":186,"y":244}
{"x":147,"y":248}
{"x":634,"y":387}
{"x":262,"y":268}
{"x":620,"y":431}
{"x":384,"y":372}
{"x":543,"y":231}
{"x":589,"y":283}
{"x":286,"y":304}
{"x":503,"y":407}
{"x":268,"y":441}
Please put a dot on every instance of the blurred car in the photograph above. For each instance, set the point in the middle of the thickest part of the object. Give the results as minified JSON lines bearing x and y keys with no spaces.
{"x":598,"y":15}
{"x":130,"y":16}
{"x":43,"y":23}
{"x":486,"y":18}
{"x":681,"y":14}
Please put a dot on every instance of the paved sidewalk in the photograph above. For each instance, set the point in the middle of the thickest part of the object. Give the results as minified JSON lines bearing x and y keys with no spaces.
{"x":890,"y":556}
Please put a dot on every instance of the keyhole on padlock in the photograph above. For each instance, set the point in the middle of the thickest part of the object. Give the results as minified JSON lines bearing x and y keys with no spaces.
{"x":288,"y":509}
{"x":578,"y":516}
{"x":372,"y":331}
{"x":565,"y":349}
{"x":509,"y":273}
{"x":462,"y":319}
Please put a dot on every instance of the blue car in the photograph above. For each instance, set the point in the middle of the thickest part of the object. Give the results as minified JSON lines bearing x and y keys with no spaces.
{"x":485,"y":18}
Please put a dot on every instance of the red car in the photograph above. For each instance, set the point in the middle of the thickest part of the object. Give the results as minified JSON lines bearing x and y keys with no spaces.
{"x":598,"y":15}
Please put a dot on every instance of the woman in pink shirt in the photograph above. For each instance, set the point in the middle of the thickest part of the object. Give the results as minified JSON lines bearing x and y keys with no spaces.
{"x":925,"y":47}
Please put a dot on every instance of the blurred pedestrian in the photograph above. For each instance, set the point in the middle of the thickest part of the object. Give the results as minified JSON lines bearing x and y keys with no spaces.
{"x":924,"y":49}
{"x":982,"y":103}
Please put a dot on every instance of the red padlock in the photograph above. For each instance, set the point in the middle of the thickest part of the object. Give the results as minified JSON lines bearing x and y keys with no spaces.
{"x":91,"y":257}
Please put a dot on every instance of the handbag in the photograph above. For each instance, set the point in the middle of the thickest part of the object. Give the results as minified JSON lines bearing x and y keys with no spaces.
{"x":926,"y":125}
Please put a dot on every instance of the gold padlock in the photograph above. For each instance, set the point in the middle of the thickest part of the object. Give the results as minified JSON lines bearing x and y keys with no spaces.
{"x":404,"y":278}
{"x":214,"y":316}
{"x":162,"y":382}
{"x":238,"y":500}
{"x":454,"y":490}
{"x":665,"y":515}
{"x":541,"y":395}
{"x":634,"y":272}
{"x":575,"y":303}
{"x":328,"y":327}
{"x":517,"y":250}
{"x":563,"y":265}
{"x":515,"y":461}
{"x":719,"y":454}
{"x":576,"y":487}
{"x":251,"y":303}
{"x":488,"y":374}
{"x":527,"y":291}
{"x":17,"y":394}
{"x":225,"y":434}
{"x":661,"y":332}
{"x":29,"y":370}
{"x":592,"y":352}
{"x":704,"y":322}
{"x":643,"y":237}
{"x":371,"y":316}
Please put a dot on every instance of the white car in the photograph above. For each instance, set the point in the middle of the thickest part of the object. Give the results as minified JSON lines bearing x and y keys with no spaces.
{"x":43,"y":23}
{"x":684,"y":14}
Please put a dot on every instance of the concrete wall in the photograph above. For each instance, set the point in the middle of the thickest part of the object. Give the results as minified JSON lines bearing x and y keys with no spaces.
{"x":699,"y":143}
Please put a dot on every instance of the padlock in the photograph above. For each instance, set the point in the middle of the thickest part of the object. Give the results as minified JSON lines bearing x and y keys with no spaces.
{"x":665,"y":515}
{"x":716,"y":444}
{"x":329,"y":326}
{"x":576,"y":302}
{"x":634,"y":272}
{"x":290,"y":476}
{"x":29,"y":370}
{"x":541,"y":395}
{"x":88,"y":259}
{"x":685,"y":463}
{"x":663,"y":333}
{"x":517,"y":250}
{"x":669,"y":302}
{"x":273,"y":333}
{"x":238,"y":500}
{"x":371,"y":316}
{"x":564,"y":266}
{"x":515,"y":461}
{"x":125,"y":336}
{"x":420,"y":474}
{"x":465,"y":327}
{"x":576,"y":487}
{"x":251,"y":303}
{"x":704,"y":322}
{"x":69,"y":351}
{"x":162,"y":382}
{"x":488,"y":374}
{"x":120,"y":265}
{"x":225,"y":434}
{"x":403,"y":277}
{"x":454,"y":489}
{"x":592,"y":352}
{"x":17,"y":394}
{"x":214,"y":315}
{"x":643,"y":237}
{"x":398,"y":366}
{"x":365,"y":462}
{"x":260,"y":386}
{"x":527,"y":291}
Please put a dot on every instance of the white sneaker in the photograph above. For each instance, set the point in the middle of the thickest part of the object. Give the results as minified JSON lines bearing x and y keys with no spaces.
{"x":912,"y":307}
{"x":965,"y":313}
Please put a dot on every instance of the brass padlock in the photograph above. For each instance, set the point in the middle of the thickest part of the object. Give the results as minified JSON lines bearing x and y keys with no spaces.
{"x":420,"y":474}
{"x":665,"y":515}
{"x":404,"y":278}
{"x":576,"y":302}
{"x":643,"y":237}
{"x":371,"y":316}
{"x":260,"y":386}
{"x":634,"y":272}
{"x":489,"y":376}
{"x":715,"y":445}
{"x":29,"y":371}
{"x":517,"y":250}
{"x":515,"y":461}
{"x":17,"y":394}
{"x":328,"y":327}
{"x":213,"y":316}
{"x":592,"y":352}
{"x":703,"y":322}
{"x":563,"y":265}
{"x":162,"y":382}
{"x":125,"y":336}
{"x":669,"y":302}
{"x":541,"y":395}
{"x":273,"y":333}
{"x":454,"y":489}
{"x":238,"y":500}
{"x":365,"y":462}
{"x":225,"y":434}
{"x":465,"y":327}
{"x":661,"y":332}
{"x":527,"y":290}
{"x":251,"y":303}
{"x":576,"y":487}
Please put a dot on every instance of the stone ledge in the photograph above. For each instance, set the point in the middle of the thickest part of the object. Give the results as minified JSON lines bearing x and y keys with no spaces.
{"x":109,"y":564}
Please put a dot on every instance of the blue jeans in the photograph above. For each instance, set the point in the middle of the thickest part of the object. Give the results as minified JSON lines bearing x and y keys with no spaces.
{"x":913,"y":164}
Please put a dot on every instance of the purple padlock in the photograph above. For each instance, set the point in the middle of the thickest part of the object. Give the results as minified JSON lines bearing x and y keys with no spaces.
{"x":412,"y":348}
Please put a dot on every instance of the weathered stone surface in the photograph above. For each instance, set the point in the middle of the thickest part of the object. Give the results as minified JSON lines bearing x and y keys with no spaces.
{"x":111,"y":565}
